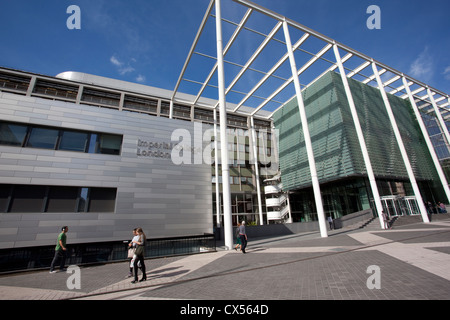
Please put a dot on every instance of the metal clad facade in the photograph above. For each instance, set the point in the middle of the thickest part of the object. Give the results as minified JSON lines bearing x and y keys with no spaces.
{"x":163,"y":198}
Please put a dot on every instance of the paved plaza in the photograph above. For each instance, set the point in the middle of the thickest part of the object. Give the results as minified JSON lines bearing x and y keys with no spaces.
{"x":407,"y":262}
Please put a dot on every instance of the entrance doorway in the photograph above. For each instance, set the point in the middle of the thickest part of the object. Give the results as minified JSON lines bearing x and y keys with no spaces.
{"x":400,"y":206}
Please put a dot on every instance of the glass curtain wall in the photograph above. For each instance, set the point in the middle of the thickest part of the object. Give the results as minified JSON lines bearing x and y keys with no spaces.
{"x":338,"y":154}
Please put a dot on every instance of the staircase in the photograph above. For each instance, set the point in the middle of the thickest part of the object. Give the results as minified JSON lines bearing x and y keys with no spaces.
{"x":277,"y":202}
{"x":406,"y":220}
{"x":371,"y":224}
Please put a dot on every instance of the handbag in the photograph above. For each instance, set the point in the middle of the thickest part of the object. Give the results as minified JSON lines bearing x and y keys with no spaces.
{"x":139,"y":251}
{"x":131,"y":253}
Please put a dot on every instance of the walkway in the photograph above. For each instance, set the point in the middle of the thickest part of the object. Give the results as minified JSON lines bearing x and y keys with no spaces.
{"x":406,"y":262}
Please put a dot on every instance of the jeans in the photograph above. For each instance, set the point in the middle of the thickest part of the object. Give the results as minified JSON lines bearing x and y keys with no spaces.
{"x":243,"y":242}
{"x":59,"y":254}
{"x":135,"y":266}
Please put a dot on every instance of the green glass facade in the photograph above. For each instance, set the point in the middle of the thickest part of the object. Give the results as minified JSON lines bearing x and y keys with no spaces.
{"x":339,"y":161}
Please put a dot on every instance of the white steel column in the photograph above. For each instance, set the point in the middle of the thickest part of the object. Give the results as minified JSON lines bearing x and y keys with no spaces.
{"x":226,"y":192}
{"x":362,"y":142}
{"x":258,"y":187}
{"x":304,"y":121}
{"x":216,"y":167}
{"x":171,"y":109}
{"x":401,"y":146}
{"x":439,"y":116}
{"x":426,"y":136}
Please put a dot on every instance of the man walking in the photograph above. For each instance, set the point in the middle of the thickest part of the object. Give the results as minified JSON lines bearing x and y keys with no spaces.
{"x":243,"y":236}
{"x":330,"y":221}
{"x":60,"y":250}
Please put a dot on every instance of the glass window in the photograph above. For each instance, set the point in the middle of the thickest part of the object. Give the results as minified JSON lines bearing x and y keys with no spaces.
{"x":27,"y":199}
{"x":60,"y":139}
{"x":73,"y":141}
{"x":4,"y":197}
{"x":62,"y":199}
{"x":102,"y":200}
{"x":83,"y":200}
{"x":43,"y":138}
{"x":93,"y":142}
{"x":109,"y":144}
{"x":12,"y":134}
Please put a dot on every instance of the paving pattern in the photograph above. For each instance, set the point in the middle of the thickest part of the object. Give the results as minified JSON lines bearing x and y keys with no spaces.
{"x":408,"y":262}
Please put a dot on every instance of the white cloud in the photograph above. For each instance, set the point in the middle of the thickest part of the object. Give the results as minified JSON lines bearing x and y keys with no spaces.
{"x":422,"y":67}
{"x":126,"y":70}
{"x":446,"y":73}
{"x":140,"y":78}
{"x":121,"y":68}
{"x":115,"y":62}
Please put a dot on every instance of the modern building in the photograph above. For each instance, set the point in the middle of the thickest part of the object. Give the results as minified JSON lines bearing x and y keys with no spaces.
{"x":339,"y":160}
{"x":105,"y":156}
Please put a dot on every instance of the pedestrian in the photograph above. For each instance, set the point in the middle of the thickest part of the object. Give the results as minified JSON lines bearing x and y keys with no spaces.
{"x":243,"y":236}
{"x":60,"y":250}
{"x":430,"y":207}
{"x":385,"y":220}
{"x":131,"y":251}
{"x":330,"y":221}
{"x":140,"y":251}
{"x":442,"y":208}
{"x":238,"y":238}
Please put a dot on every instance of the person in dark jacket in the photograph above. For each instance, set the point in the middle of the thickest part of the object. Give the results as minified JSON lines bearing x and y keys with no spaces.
{"x":140,"y":251}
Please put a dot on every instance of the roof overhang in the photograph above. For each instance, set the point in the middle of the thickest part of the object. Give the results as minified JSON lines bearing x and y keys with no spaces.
{"x":256,"y":64}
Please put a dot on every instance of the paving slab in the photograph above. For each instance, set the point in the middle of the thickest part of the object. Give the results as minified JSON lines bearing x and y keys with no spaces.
{"x":405,"y":263}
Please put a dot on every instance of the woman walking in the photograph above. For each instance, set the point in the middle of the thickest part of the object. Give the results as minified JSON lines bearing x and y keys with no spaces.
{"x":140,"y":250}
{"x":238,"y":238}
{"x":131,"y":251}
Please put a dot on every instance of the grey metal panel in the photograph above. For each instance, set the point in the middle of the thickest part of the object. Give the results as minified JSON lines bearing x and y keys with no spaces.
{"x":163,"y":198}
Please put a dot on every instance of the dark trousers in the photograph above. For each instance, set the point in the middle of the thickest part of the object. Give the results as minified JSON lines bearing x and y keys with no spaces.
{"x":61,"y":255}
{"x":135,"y":267}
{"x":243,"y":242}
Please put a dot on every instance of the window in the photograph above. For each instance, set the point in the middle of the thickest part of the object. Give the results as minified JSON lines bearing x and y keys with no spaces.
{"x":43,"y":138}
{"x":102,"y":200}
{"x":12,"y":134}
{"x":109,"y":144}
{"x":140,"y":104}
{"x":13,"y":82}
{"x":73,"y":141}
{"x":32,"y":136}
{"x":101,"y":97}
{"x":62,"y":199}
{"x":55,"y":89}
{"x":27,"y":199}
{"x":57,"y":199}
{"x":4,"y":197}
{"x":83,"y":200}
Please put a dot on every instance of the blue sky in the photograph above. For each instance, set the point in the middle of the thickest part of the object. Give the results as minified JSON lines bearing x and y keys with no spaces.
{"x":147,"y":41}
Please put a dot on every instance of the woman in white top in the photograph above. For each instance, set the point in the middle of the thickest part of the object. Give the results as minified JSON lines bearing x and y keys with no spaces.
{"x":132,"y":244}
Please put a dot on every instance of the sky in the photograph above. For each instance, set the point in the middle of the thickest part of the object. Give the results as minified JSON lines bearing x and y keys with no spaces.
{"x":147,"y":41}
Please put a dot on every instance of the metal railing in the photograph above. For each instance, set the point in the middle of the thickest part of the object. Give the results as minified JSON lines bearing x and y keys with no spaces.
{"x":33,"y":258}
